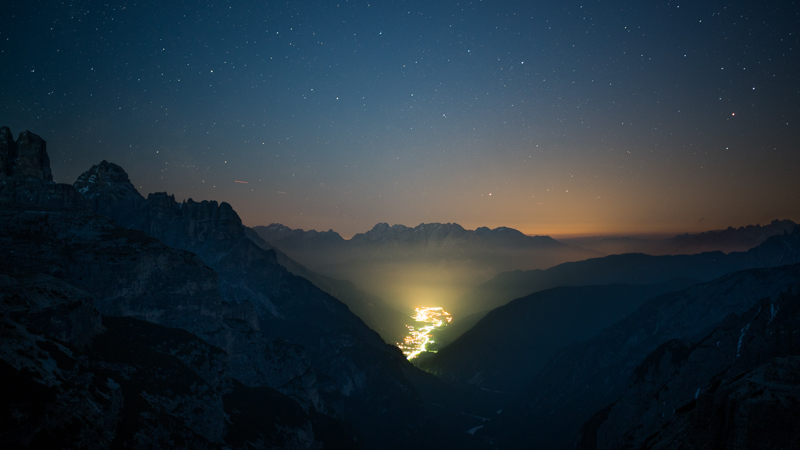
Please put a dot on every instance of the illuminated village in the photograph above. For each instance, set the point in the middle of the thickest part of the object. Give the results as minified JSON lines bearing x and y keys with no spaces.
{"x":417,"y":339}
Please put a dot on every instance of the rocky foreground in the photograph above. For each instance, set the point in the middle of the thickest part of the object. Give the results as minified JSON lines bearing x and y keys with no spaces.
{"x":150,"y":323}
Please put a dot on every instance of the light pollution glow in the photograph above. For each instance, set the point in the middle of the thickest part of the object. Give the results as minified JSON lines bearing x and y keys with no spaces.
{"x":418,"y":339}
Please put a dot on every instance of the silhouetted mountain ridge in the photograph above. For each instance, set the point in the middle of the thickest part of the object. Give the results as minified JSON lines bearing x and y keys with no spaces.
{"x":364,"y":368}
{"x":292,"y":355}
{"x":431,"y":262}
{"x":506,"y":348}
{"x":635,"y":268}
{"x":583,"y":378}
{"x":727,"y":240}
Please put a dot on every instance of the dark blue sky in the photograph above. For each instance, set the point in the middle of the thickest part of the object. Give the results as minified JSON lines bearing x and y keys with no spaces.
{"x":577,"y":117}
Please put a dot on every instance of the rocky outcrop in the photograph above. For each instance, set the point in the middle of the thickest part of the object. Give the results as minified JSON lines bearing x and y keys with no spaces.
{"x":27,"y":157}
{"x":25,"y":176}
{"x":131,"y":274}
{"x":32,"y":159}
{"x":756,"y":410}
{"x":8,"y":153}
{"x":73,"y":378}
{"x":358,"y":376}
{"x":25,"y":192}
{"x":737,"y":387}
{"x":108,"y":190}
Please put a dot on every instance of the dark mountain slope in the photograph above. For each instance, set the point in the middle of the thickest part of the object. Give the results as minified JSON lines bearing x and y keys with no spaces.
{"x":212,"y":230}
{"x":343,"y":370}
{"x":131,"y":274}
{"x":738,"y":386}
{"x":387,"y":322}
{"x":584,"y":377}
{"x":361,"y":378}
{"x":632,"y":268}
{"x":508,"y":346}
{"x":75,"y":379}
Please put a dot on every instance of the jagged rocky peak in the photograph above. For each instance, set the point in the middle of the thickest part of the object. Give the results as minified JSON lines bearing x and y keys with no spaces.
{"x":109,"y":191}
{"x":510,"y":237}
{"x":382,"y":232}
{"x":25,"y":176}
{"x":204,"y":220}
{"x":105,"y":172}
{"x":108,"y":179}
{"x":276,"y":232}
{"x":7,"y":152}
{"x":27,"y":157}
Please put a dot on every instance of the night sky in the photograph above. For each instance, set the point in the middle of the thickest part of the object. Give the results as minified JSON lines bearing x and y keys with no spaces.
{"x":552,"y":117}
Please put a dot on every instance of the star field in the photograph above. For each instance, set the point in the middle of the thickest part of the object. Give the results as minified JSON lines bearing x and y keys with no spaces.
{"x":550,"y":117}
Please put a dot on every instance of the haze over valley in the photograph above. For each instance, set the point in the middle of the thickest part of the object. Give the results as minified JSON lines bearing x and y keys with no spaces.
{"x":487,"y":317}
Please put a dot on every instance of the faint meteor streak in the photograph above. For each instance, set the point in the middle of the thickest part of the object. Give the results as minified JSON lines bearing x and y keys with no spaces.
{"x":243,"y":182}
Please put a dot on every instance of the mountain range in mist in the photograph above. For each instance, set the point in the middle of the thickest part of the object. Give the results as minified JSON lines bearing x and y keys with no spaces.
{"x":430,"y":264}
{"x":728,"y":240}
{"x":147,"y":322}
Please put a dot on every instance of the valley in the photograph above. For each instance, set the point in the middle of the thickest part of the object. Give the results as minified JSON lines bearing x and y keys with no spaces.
{"x":119,"y":308}
{"x":428,"y":319}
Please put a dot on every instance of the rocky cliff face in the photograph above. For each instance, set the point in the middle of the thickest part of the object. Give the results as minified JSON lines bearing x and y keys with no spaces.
{"x":8,"y":152}
{"x":25,"y":175}
{"x":756,"y":411}
{"x":25,"y":157}
{"x":358,"y":376}
{"x":171,"y":364}
{"x":74,"y":378}
{"x":132,"y":274}
{"x":736,"y":387}
{"x":117,"y":193}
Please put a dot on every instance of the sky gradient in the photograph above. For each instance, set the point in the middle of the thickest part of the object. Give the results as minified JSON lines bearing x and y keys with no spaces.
{"x":605,"y":117}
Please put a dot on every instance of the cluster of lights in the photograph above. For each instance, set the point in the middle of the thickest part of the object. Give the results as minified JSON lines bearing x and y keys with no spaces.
{"x":417,"y":339}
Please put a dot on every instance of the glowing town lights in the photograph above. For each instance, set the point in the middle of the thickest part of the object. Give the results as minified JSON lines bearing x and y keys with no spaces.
{"x":417,"y":339}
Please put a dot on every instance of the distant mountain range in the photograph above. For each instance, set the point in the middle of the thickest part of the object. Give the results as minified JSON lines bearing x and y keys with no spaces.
{"x":727,"y":240}
{"x":425,"y":242}
{"x":633,"y":268}
{"x":538,"y":324}
{"x":427,"y":265}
